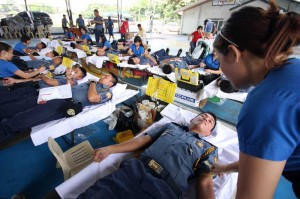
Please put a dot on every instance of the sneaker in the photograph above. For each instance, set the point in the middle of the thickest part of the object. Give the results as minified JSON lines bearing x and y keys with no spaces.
{"x":179,"y":52}
{"x":167,"y":51}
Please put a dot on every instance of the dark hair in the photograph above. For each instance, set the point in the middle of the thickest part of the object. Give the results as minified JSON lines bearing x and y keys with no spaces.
{"x":213,"y":115}
{"x":96,"y":10}
{"x":167,"y":69}
{"x":83,"y":71}
{"x":84,"y":29}
{"x":226,"y":86}
{"x":64,"y":15}
{"x":138,"y":39}
{"x":103,"y":39}
{"x":109,"y":18}
{"x":80,"y":15}
{"x":43,"y":45}
{"x":130,"y":61}
{"x":264,"y":33}
{"x":115,"y":78}
{"x":25,"y":38}
{"x":55,"y":53}
{"x":200,"y":27}
{"x":126,"y":19}
{"x":139,"y":25}
{"x":4,"y":46}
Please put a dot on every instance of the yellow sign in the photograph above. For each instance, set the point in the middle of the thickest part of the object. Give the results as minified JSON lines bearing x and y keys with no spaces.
{"x":161,"y":89}
{"x":113,"y":58}
{"x":67,"y":62}
{"x":187,"y":76}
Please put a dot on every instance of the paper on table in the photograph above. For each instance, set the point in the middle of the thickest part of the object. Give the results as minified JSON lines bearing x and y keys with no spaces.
{"x":57,"y":92}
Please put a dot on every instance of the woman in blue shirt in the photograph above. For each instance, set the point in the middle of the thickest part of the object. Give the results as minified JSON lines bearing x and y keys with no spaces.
{"x":137,"y":47}
{"x":103,"y":44}
{"x":8,"y":69}
{"x":20,"y":49}
{"x":68,"y":35}
{"x":256,"y":52}
{"x":211,"y":66}
{"x":86,"y":37}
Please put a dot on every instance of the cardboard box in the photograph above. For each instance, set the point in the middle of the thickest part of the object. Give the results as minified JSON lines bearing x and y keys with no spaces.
{"x":187,"y":97}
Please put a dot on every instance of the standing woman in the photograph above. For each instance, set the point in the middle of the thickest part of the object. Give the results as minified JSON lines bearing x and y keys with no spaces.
{"x":256,"y":52}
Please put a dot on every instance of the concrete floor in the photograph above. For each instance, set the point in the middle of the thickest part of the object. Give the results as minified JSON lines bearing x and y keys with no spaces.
{"x":156,"y":41}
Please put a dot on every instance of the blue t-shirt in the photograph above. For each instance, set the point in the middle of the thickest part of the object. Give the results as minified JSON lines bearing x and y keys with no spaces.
{"x":86,"y":36}
{"x":20,"y":47}
{"x":7,"y":69}
{"x":137,"y":51}
{"x":80,"y":22}
{"x":110,"y":25}
{"x":69,"y":35}
{"x":269,"y":122}
{"x":180,"y":64}
{"x":106,"y":44}
{"x":211,"y":63}
{"x":97,"y":25}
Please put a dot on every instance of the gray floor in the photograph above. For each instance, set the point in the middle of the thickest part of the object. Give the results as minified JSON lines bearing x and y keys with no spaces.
{"x":156,"y":41}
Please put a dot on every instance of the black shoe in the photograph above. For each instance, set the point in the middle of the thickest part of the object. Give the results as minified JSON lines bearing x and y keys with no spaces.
{"x":179,"y":52}
{"x":149,"y":50}
{"x":167,"y":51}
{"x":157,"y":59}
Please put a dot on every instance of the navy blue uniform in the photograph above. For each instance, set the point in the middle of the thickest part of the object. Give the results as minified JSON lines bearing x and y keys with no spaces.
{"x":162,"y":171}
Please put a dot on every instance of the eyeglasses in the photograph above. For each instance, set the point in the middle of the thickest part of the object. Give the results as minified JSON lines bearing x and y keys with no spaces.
{"x":228,"y":40}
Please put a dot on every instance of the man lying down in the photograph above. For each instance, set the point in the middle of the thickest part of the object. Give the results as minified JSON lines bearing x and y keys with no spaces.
{"x":174,"y":155}
{"x":21,"y":115}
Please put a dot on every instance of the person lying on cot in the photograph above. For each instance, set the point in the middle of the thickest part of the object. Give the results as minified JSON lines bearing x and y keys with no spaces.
{"x":72,"y":76}
{"x":24,"y":114}
{"x":167,"y":62}
{"x":174,"y":154}
{"x":226,"y":86}
{"x":14,"y":89}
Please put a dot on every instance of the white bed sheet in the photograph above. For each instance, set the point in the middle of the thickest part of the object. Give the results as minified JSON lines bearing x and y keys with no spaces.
{"x":223,"y":137}
{"x":96,"y":60}
{"x":137,"y":66}
{"x":156,"y":70}
{"x":80,"y":53}
{"x":212,"y":89}
{"x":89,"y":115}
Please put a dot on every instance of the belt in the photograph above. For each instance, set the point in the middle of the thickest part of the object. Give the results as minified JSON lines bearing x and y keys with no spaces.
{"x":158,"y":171}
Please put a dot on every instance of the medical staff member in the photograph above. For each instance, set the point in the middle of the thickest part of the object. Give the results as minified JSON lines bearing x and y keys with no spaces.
{"x":256,"y":52}
{"x":8,"y":69}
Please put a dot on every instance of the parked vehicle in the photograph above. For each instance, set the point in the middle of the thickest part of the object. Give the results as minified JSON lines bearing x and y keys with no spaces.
{"x":172,"y":27}
{"x":33,"y":18}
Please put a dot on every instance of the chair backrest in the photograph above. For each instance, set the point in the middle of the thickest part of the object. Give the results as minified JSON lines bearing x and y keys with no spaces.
{"x":5,"y":29}
{"x":74,"y":159}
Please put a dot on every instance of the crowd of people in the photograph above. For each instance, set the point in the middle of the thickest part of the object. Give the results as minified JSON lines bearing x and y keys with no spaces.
{"x":253,"y":53}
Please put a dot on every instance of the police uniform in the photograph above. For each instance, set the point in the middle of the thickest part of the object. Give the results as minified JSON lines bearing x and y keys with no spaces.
{"x":163,"y":170}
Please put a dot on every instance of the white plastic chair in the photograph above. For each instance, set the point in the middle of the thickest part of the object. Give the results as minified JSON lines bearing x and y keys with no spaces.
{"x":40,"y":31}
{"x":73,"y":160}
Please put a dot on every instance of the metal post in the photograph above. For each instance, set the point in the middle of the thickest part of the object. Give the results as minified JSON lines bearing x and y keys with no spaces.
{"x":139,"y":11}
{"x":118,"y":15}
{"x":26,"y":5}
